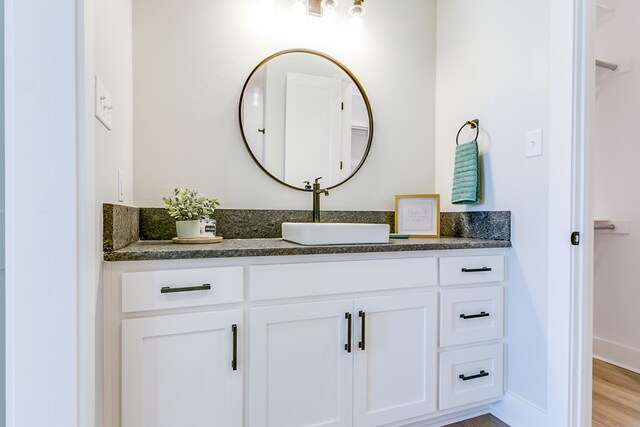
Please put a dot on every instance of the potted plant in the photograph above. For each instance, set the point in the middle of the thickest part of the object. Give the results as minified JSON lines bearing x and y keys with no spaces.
{"x":187,"y":207}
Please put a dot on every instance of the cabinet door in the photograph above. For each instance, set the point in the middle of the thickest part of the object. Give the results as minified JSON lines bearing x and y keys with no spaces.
{"x":301,"y":371}
{"x":179,"y":370}
{"x":395,"y":374}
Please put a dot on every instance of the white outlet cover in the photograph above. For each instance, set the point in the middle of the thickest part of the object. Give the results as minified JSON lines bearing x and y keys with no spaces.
{"x":533,"y":143}
{"x":103,"y":104}
{"x":120,"y":186}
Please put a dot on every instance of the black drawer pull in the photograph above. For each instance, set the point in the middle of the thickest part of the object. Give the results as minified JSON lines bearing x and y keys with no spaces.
{"x":347,"y":346}
{"x":474,"y":316}
{"x":170,"y":290}
{"x":363,"y":331}
{"x":234,"y":358}
{"x":476,"y":270}
{"x":473,"y":377}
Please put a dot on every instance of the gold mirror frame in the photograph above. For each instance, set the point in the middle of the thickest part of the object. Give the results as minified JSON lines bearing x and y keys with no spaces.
{"x":343,"y":68}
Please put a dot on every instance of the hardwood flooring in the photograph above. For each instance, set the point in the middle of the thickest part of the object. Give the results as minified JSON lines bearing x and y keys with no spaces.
{"x":616,"y":396}
{"x":616,"y":400}
{"x":487,"y":420}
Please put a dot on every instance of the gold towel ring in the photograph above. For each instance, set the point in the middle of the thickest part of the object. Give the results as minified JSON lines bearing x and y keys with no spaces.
{"x":475,"y":124}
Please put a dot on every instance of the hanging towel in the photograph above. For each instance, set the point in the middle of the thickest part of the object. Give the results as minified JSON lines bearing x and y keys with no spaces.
{"x":466,"y":175}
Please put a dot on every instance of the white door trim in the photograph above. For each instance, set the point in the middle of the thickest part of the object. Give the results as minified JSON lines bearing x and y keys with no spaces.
{"x":568,"y":376}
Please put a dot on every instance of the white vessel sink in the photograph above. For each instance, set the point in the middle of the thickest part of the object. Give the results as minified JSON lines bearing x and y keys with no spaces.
{"x":313,"y":233}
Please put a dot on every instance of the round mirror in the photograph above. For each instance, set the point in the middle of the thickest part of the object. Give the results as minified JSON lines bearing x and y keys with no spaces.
{"x":304,"y":115}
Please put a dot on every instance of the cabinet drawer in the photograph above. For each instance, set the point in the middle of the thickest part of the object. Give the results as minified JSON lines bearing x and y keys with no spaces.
{"x":155,"y":290}
{"x":471,"y":375}
{"x":326,"y":278}
{"x":471,"y":315}
{"x":474,"y":269}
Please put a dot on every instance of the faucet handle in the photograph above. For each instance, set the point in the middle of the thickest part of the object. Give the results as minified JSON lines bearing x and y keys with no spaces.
{"x":307,"y":185}
{"x":318,"y":180}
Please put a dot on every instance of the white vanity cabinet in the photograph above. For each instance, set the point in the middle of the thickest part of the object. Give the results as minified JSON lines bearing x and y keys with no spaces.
{"x":181,"y":369}
{"x":336,"y":340}
{"x":361,"y":361}
{"x":471,"y":330}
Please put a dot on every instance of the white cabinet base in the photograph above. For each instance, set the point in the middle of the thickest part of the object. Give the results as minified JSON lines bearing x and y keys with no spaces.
{"x":471,"y":375}
{"x":300,"y":371}
{"x":395,"y":375}
{"x":177,"y":371}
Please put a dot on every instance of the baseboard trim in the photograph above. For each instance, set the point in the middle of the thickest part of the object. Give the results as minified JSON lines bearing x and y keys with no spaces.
{"x":616,"y":354}
{"x":518,"y":412}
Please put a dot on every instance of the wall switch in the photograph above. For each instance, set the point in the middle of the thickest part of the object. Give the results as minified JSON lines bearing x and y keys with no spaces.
{"x":103,"y":104}
{"x":120,"y":186}
{"x":533,"y":143}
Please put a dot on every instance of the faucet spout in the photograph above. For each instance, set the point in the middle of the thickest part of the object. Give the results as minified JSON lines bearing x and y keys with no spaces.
{"x":316,"y":191}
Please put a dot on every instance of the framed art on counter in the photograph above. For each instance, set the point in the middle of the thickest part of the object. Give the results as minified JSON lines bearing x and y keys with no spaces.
{"x":418,"y":215}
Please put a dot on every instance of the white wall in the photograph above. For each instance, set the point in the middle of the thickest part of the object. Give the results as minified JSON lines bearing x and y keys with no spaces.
{"x":615,"y":176}
{"x":185,"y":116}
{"x":108,"y":54}
{"x":42,"y":180}
{"x":113,"y":65}
{"x":2,"y":234}
{"x":493,"y":64}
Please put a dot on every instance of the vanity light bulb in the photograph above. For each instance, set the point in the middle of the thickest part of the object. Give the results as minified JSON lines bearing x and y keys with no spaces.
{"x":357,"y":9}
{"x":329,"y":5}
{"x":299,"y":7}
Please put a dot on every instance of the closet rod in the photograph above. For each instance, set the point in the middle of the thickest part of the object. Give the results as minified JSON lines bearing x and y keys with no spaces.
{"x":604,"y":227}
{"x":605,"y":64}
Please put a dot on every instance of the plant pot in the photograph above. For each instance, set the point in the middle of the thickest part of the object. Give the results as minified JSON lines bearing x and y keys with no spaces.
{"x":188,"y":229}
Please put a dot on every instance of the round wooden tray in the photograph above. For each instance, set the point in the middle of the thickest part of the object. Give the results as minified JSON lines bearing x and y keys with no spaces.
{"x":197,"y":240}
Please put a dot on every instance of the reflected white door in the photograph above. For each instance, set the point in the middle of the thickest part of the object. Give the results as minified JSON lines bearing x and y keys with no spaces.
{"x":313,"y":128}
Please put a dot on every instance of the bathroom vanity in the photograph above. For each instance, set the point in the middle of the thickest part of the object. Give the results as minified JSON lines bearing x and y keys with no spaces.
{"x":264,"y":332}
{"x":412,"y":332}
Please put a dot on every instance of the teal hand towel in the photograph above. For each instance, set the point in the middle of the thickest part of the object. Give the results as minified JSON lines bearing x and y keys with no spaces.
{"x":466,"y":175}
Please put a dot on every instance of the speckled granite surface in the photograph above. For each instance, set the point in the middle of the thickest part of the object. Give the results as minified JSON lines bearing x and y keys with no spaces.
{"x":494,"y":225}
{"x":156,"y":224}
{"x":164,"y":250}
{"x":252,"y":232}
{"x":120,"y":226}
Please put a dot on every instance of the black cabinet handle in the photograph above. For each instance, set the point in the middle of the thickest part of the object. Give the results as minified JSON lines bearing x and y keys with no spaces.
{"x":473,"y":377}
{"x":362,"y":316}
{"x":474,"y":316}
{"x":234,"y":357}
{"x":347,"y":346}
{"x":475,"y":270}
{"x":170,"y":290}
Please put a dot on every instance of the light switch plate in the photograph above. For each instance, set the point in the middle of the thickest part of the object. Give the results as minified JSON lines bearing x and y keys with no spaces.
{"x":103,"y":104}
{"x":533,"y":143}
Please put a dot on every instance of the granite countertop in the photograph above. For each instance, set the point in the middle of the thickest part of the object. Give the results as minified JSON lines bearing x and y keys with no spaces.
{"x":165,"y":249}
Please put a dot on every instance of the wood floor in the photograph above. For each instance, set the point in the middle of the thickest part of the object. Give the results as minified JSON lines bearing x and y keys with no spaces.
{"x":616,"y":400}
{"x":616,"y":396}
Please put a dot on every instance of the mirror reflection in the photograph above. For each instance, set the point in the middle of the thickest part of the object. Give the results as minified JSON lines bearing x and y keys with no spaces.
{"x":304,"y":115}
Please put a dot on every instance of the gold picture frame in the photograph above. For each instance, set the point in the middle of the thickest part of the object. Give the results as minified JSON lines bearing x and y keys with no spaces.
{"x":418,"y":215}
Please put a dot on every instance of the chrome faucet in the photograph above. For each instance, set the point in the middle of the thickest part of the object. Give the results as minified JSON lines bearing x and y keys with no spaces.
{"x":316,"y":191}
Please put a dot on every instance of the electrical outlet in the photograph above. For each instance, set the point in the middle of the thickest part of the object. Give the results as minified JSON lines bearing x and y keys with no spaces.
{"x":533,"y":143}
{"x":120,"y":186}
{"x":103,"y":104}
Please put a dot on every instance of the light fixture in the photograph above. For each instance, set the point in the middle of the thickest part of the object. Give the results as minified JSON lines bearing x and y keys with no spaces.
{"x":325,"y":8}
{"x":329,"y":9}
{"x":329,"y":4}
{"x":357,"y":9}
{"x":299,"y":7}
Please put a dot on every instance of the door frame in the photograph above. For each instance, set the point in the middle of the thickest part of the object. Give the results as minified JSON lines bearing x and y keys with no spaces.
{"x":570,"y":209}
